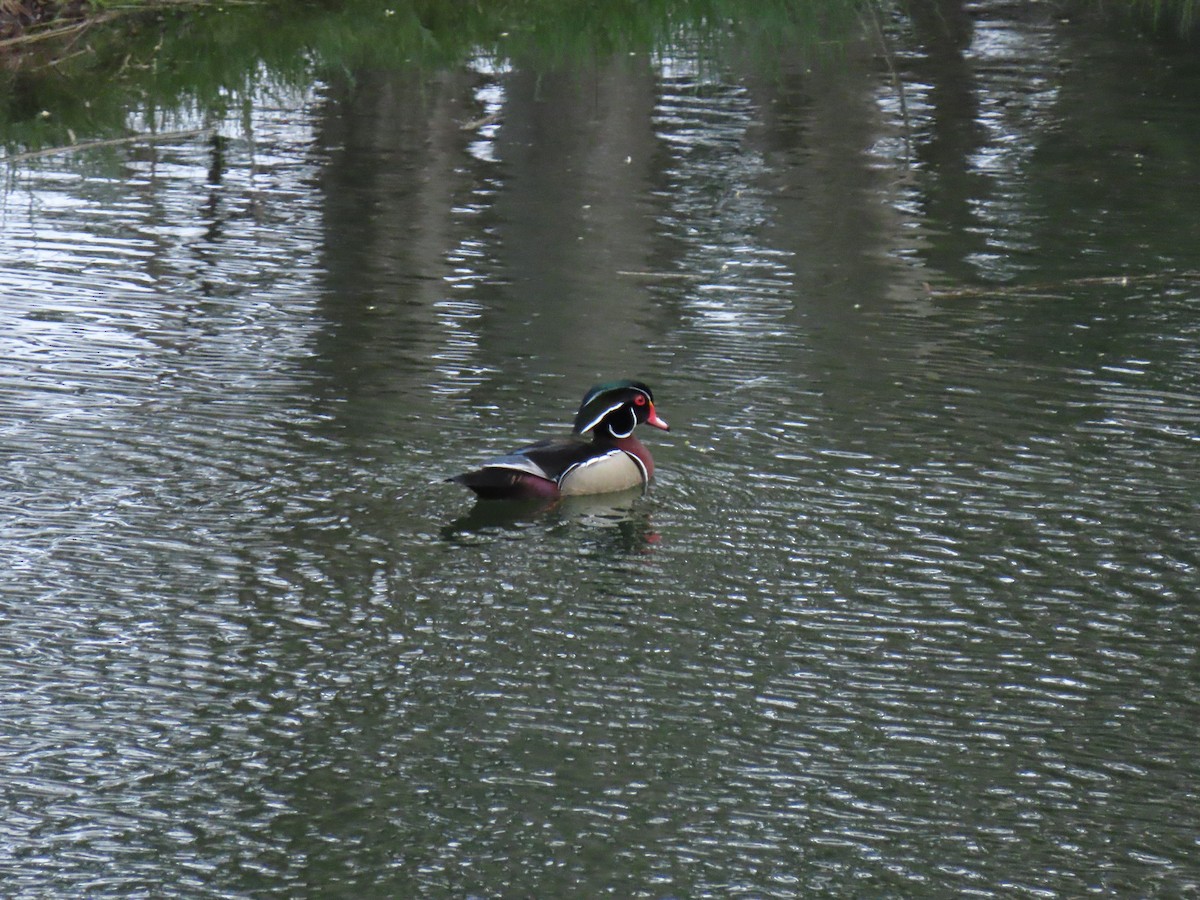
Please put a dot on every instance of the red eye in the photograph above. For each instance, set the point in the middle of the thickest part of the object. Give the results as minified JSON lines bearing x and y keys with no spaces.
{"x":639,"y":400}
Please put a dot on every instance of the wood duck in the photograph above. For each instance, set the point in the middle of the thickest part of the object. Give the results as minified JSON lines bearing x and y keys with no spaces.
{"x":613,"y":460}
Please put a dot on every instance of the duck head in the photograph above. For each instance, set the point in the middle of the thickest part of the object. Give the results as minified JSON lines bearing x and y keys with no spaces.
{"x":615,"y":408}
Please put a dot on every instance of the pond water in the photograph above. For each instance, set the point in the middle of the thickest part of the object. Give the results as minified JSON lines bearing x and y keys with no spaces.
{"x":910,"y":610}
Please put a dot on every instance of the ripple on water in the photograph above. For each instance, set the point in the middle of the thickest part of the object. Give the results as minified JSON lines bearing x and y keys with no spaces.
{"x":136,"y":425}
{"x":914,"y":619}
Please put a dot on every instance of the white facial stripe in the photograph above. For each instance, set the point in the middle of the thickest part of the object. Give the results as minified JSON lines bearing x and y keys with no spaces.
{"x":600,"y":418}
{"x":632,"y":425}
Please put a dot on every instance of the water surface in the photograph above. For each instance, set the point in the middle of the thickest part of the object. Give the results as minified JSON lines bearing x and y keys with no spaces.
{"x":910,"y":609}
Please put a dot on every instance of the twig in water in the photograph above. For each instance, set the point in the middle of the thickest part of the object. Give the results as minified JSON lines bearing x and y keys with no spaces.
{"x":54,"y":31}
{"x":110,"y":142}
{"x":687,"y":276}
{"x":1003,"y":290}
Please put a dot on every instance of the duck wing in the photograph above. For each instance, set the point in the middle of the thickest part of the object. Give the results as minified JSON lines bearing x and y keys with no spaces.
{"x":531,"y":471}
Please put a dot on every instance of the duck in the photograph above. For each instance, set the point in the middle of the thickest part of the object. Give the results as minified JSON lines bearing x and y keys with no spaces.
{"x":601,"y":456}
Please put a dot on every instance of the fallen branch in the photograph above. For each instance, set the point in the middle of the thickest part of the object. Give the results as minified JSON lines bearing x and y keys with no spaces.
{"x":1001,"y":290}
{"x":686,"y":276}
{"x":51,"y":31}
{"x":80,"y":21}
{"x":110,"y":142}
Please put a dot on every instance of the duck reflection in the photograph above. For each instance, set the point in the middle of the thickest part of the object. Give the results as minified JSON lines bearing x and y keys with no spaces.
{"x":615,"y":520}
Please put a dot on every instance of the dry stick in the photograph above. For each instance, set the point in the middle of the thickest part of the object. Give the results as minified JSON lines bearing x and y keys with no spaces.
{"x":688,"y":276}
{"x":111,"y":142}
{"x":54,"y":31}
{"x":897,"y":82}
{"x":996,"y":290}
{"x":49,"y":32}
{"x":1000,"y":290}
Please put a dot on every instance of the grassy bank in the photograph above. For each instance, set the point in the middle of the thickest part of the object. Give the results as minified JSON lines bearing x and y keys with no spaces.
{"x":73,"y":81}
{"x":28,"y":23}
